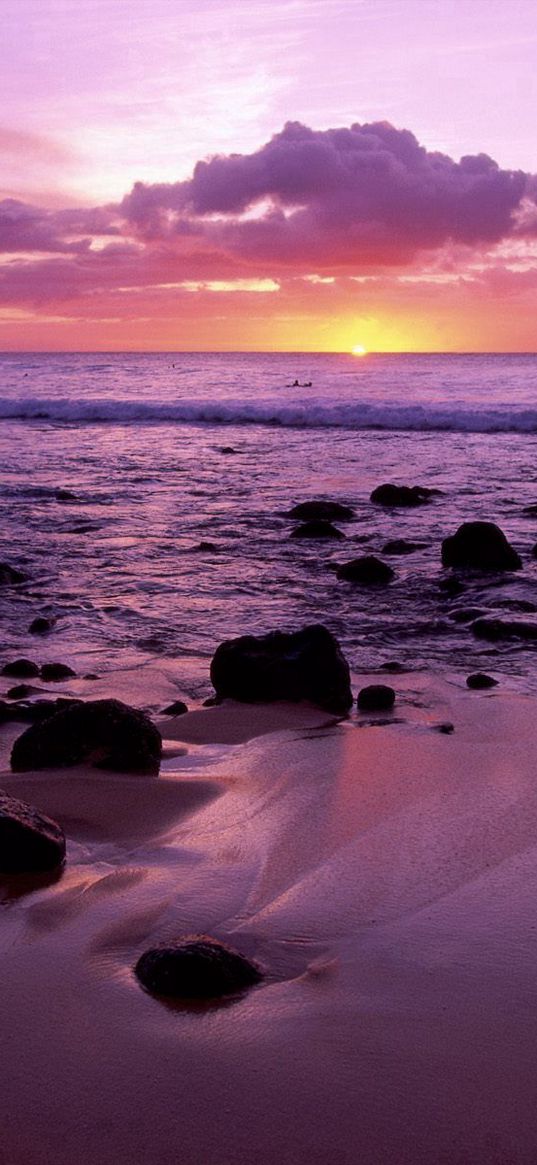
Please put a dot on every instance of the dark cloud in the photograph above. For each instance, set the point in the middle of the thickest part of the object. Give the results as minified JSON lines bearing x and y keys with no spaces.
{"x":24,"y":227}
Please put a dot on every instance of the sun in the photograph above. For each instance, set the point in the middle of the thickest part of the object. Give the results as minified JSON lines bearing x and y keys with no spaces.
{"x":359,"y":350}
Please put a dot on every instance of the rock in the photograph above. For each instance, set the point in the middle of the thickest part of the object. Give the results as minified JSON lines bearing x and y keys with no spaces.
{"x":65,"y":495}
{"x":178,"y":708}
{"x":9,"y":575}
{"x":376,"y":698}
{"x":495,"y":629}
{"x":451,"y":587}
{"x":212,"y":702}
{"x":317,"y":529}
{"x":104,"y":733}
{"x":530,"y":511}
{"x":466,"y":614}
{"x":29,"y":841}
{"x":366,"y":571}
{"x":195,"y":967}
{"x":393,"y":666}
{"x":534,"y":551}
{"x":479,"y":680}
{"x":525,"y":605}
{"x":321,"y":511}
{"x":401,"y":546}
{"x":227,"y":449}
{"x":20,"y":691}
{"x":402,"y":495}
{"x":22,"y":668}
{"x":39,"y":710}
{"x":446,"y":728}
{"x":300,"y":665}
{"x":40,"y":626}
{"x":479,"y":546}
{"x":91,"y":675}
{"x":208,"y":547}
{"x":55,"y":672}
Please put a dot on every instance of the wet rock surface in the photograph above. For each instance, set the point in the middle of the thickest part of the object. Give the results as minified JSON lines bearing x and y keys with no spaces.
{"x":402,"y":546}
{"x":9,"y":575}
{"x":480,"y":546}
{"x":21,"y":668}
{"x":196,"y":967}
{"x":55,"y":672}
{"x":104,"y":733}
{"x":480,"y":681}
{"x":301,"y":665}
{"x":497,"y":629}
{"x":317,"y":529}
{"x":389,"y":494}
{"x":40,"y":625}
{"x":29,"y":841}
{"x":319,"y":510}
{"x":178,"y":708}
{"x":367,"y":571}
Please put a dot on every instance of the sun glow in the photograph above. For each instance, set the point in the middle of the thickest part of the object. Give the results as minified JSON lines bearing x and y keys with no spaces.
{"x":359,"y":350}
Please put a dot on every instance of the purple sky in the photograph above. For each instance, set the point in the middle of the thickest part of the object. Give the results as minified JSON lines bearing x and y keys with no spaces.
{"x":101,"y":94}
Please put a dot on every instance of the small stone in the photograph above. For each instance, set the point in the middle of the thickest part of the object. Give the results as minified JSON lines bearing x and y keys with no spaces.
{"x":21,"y":668}
{"x":195,"y":967}
{"x":479,"y":680}
{"x":376,"y":698}
{"x":393,"y":666}
{"x":446,"y":728}
{"x":317,"y":529}
{"x":40,"y":626}
{"x":178,"y":708}
{"x":55,"y":672}
{"x":29,"y":841}
{"x":207,"y":547}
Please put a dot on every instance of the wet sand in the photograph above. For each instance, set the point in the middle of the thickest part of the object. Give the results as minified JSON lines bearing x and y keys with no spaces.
{"x":385,"y":876}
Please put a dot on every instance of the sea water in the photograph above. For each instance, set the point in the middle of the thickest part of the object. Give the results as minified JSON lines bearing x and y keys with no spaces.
{"x":139,"y":440}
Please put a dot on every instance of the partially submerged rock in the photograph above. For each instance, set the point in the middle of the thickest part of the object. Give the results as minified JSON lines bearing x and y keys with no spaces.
{"x":55,"y":672}
{"x":495,"y":629}
{"x":376,"y":698}
{"x":40,"y":625}
{"x":480,"y":546}
{"x":319,"y":528}
{"x":367,"y":571}
{"x":318,"y":510}
{"x":196,"y":967}
{"x":9,"y":575}
{"x":29,"y":841}
{"x":178,"y":708}
{"x":104,"y":733}
{"x":479,"y":680}
{"x":300,"y":665}
{"x":23,"y":669}
{"x":389,"y":494}
{"x":402,"y":546}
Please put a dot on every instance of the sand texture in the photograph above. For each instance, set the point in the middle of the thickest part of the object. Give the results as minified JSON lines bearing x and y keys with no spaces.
{"x":385,"y":876}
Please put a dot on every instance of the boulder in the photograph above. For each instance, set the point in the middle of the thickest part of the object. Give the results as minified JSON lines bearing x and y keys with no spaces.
{"x":318,"y":528}
{"x":8,"y":575}
{"x":402,"y":495}
{"x":480,"y":680}
{"x":195,"y":967}
{"x":55,"y":672}
{"x":495,"y":629}
{"x":29,"y":841}
{"x":104,"y":733}
{"x":40,"y":625}
{"x":321,"y":511}
{"x":401,"y":546}
{"x":367,"y":571}
{"x":23,"y":669}
{"x":479,"y":546}
{"x":178,"y":708}
{"x":20,"y":691}
{"x":300,"y":665}
{"x":376,"y":698}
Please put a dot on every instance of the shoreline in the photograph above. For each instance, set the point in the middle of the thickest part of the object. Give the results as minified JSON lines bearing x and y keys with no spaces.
{"x":384,"y":875}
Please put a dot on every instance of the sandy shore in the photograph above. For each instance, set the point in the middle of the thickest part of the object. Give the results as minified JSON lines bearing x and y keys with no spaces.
{"x":386,"y":878}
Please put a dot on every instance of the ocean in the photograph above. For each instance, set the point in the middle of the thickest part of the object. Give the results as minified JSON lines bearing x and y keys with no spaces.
{"x":114,"y":470}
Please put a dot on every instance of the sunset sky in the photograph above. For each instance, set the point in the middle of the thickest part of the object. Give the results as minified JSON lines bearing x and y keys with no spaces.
{"x":268,"y":174}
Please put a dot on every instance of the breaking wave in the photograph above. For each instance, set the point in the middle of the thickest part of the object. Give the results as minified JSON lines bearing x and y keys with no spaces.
{"x":310,"y":414}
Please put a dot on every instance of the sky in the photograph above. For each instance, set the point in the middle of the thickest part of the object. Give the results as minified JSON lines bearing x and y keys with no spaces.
{"x":268,"y":174}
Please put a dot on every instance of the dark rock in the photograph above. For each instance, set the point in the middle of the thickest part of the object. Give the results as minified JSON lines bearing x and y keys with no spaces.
{"x":228,"y":449}
{"x":495,"y":629}
{"x":9,"y":575}
{"x":446,"y":728}
{"x":317,"y":529}
{"x":20,"y":692}
{"x":178,"y":708}
{"x":301,"y":665}
{"x":212,"y":701}
{"x":195,"y":967}
{"x":376,"y":698}
{"x":104,"y":733}
{"x":40,"y":626}
{"x":39,"y":710}
{"x":208,"y":547}
{"x":29,"y":841}
{"x":321,"y":511}
{"x":402,"y":495}
{"x":65,"y":495}
{"x":366,"y":571}
{"x":525,"y":605}
{"x":393,"y":666}
{"x":530,"y":511}
{"x":55,"y":672}
{"x":451,"y":587}
{"x":21,"y":668}
{"x":401,"y":546}
{"x":534,"y":551}
{"x":479,"y":680}
{"x":479,"y":546}
{"x":466,"y":614}
{"x":91,"y":675}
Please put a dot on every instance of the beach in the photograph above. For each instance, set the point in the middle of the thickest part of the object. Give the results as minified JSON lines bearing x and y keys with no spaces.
{"x":381,"y":872}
